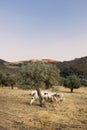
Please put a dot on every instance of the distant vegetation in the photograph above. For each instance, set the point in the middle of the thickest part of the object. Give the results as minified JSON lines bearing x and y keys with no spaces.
{"x":76,"y":67}
{"x":19,"y":74}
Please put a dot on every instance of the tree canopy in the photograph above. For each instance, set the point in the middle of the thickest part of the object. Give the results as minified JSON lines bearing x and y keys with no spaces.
{"x":39,"y":74}
{"x":72,"y":82}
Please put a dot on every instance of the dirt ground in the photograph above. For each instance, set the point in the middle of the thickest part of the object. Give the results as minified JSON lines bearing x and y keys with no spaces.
{"x":17,"y":114}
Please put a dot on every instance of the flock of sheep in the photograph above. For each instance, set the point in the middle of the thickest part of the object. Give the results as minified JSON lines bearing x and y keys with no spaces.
{"x":47,"y":96}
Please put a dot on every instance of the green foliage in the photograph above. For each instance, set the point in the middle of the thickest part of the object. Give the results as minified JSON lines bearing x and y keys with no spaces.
{"x":72,"y":82}
{"x":68,"y":71}
{"x":83,"y":79}
{"x":83,"y":82}
{"x":62,"y":81}
{"x":7,"y":80}
{"x":11,"y":80}
{"x":39,"y":75}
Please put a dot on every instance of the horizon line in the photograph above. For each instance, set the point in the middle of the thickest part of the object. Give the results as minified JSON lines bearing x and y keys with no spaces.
{"x":39,"y":59}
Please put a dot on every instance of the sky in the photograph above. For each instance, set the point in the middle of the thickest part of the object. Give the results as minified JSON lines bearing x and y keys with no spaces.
{"x":43,"y":29}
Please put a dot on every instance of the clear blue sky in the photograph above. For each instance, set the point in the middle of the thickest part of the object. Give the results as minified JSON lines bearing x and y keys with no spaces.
{"x":37,"y":29}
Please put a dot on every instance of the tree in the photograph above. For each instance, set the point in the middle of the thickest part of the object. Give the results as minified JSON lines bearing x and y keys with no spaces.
{"x":8,"y":80}
{"x":39,"y":75}
{"x":72,"y":82}
{"x":11,"y":80}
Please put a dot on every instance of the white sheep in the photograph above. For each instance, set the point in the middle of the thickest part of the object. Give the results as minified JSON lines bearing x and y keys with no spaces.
{"x":59,"y":97}
{"x":48,"y":96}
{"x":35,"y":96}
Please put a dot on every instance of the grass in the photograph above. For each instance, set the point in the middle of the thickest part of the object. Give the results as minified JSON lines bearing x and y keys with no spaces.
{"x":17,"y":114}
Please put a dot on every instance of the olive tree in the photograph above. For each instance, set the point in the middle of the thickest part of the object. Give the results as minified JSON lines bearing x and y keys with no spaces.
{"x":39,"y":75}
{"x":72,"y":82}
{"x":11,"y":80}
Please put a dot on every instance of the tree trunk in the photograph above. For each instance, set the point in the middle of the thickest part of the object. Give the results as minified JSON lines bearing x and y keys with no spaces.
{"x":71,"y":90}
{"x":40,"y":96}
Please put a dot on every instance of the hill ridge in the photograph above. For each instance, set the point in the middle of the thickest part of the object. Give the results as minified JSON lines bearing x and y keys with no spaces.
{"x":79,"y":64}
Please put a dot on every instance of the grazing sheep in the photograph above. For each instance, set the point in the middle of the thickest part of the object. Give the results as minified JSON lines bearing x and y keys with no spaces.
{"x":48,"y":96}
{"x":59,"y":97}
{"x":43,"y":93}
{"x":35,"y":96}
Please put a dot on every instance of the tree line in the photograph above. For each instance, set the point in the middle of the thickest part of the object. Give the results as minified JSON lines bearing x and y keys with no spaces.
{"x":42,"y":75}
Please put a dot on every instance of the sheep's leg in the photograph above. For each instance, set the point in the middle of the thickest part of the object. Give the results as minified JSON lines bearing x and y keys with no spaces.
{"x":32,"y":100}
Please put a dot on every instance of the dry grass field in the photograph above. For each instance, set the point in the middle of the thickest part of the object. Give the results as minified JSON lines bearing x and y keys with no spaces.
{"x":17,"y":114}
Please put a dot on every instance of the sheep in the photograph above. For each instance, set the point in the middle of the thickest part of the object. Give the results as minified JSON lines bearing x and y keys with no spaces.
{"x":48,"y":96}
{"x":35,"y":96}
{"x":59,"y":97}
{"x":55,"y":96}
{"x":43,"y":93}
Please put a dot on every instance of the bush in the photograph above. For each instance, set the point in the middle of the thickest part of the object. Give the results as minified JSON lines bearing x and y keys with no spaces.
{"x":83,"y":82}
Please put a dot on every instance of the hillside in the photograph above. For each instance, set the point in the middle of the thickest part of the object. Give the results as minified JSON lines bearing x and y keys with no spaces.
{"x":11,"y":67}
{"x":7,"y":67}
{"x":78,"y":64}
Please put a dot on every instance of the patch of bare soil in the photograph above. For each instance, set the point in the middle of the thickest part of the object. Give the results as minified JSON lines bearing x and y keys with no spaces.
{"x":17,"y":114}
